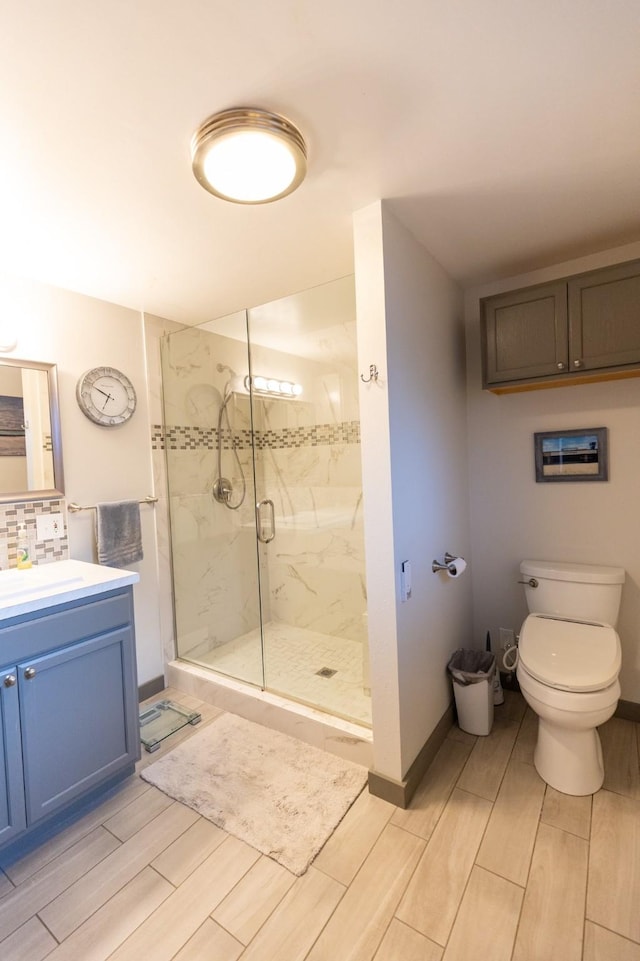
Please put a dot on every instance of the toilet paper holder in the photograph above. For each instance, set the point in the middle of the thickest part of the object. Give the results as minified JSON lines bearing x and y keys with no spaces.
{"x":448,"y":565}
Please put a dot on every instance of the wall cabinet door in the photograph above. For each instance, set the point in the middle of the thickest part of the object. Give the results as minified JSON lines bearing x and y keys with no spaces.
{"x":525,"y":334}
{"x":604,"y":317}
{"x":76,"y":719}
{"x":558,"y":331}
{"x":12,"y":807}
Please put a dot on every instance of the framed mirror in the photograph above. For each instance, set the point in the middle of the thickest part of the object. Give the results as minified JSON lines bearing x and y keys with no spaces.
{"x":30,"y":441}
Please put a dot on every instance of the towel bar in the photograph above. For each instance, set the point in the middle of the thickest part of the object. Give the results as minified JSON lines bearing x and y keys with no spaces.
{"x":73,"y":508}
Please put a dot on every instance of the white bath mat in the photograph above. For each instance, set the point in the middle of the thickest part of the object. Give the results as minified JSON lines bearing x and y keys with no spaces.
{"x":278,"y":794}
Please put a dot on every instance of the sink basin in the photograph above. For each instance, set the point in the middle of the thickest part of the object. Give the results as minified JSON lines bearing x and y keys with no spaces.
{"x":58,"y":582}
{"x":15,"y":583}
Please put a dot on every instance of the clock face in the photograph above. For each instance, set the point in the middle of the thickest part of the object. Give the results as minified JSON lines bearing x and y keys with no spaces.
{"x":106,"y":396}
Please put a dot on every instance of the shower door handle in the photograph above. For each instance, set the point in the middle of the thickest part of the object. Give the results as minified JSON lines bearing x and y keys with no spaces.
{"x":266,"y":532}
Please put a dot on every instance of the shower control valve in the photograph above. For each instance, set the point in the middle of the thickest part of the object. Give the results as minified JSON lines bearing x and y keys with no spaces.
{"x":222,"y":490}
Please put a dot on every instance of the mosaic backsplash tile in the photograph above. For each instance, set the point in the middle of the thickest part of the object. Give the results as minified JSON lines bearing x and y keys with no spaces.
{"x":12,"y":516}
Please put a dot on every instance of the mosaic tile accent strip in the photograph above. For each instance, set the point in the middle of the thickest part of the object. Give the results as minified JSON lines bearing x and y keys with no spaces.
{"x":12,"y":516}
{"x":319,"y":435}
{"x":157,"y":437}
{"x":205,"y":438}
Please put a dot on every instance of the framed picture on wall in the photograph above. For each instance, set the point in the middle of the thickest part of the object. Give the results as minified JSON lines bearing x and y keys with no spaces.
{"x":572,"y":455}
{"x":12,"y":436}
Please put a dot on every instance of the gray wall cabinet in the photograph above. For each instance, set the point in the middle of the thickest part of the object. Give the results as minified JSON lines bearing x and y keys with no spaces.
{"x":68,"y":709}
{"x":575,"y":330}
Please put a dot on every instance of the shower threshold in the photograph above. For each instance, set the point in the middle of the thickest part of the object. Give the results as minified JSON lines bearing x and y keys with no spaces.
{"x":346,"y":739}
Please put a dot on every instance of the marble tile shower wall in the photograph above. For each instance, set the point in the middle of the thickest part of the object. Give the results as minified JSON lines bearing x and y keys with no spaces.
{"x":314,"y":569}
{"x":213,"y":549}
{"x":13,"y":516}
{"x":316,"y":562}
{"x":214,"y":554}
{"x":307,"y":462}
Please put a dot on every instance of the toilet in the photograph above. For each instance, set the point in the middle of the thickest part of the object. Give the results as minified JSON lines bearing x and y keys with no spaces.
{"x":568,"y":665}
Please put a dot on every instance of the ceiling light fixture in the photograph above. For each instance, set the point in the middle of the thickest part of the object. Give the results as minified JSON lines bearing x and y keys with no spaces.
{"x":248,"y":156}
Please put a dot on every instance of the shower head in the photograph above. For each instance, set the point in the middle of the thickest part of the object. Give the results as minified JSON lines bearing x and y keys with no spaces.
{"x":231,"y":385}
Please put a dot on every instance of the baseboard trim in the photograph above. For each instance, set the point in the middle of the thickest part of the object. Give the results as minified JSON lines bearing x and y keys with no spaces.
{"x":629,"y":710}
{"x":149,"y":688}
{"x":401,"y":792}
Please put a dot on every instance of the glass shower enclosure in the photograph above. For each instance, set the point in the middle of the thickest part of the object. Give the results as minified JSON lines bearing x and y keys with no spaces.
{"x":262,"y":441}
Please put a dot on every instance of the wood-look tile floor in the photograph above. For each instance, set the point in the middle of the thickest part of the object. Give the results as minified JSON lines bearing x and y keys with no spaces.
{"x":488,"y":864}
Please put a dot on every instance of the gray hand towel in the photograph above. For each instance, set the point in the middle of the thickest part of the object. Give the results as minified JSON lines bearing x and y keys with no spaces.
{"x":118,"y":533}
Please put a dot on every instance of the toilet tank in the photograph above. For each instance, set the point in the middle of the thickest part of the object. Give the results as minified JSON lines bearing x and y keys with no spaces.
{"x":582,"y":592}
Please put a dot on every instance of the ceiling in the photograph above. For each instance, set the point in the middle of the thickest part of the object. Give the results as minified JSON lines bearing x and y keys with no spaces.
{"x":505,"y":135}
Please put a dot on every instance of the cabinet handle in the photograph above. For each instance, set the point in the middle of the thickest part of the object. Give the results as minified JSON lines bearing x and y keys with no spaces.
{"x":10,"y":680}
{"x":577,"y":363}
{"x":560,"y":366}
{"x":30,"y":673}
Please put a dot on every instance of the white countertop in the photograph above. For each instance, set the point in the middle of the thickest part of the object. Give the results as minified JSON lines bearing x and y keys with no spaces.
{"x":48,"y":585}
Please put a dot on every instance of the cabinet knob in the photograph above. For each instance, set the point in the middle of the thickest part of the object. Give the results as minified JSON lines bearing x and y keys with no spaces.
{"x":9,"y":680}
{"x":577,"y":363}
{"x":30,"y":673}
{"x":560,"y":365}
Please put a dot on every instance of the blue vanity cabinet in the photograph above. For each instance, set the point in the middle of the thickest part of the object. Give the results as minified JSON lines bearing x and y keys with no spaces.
{"x":12,"y":804}
{"x":73,"y":719}
{"x":70,"y":715}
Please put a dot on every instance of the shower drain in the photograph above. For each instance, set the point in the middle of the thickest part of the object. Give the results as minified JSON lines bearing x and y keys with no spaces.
{"x":326,"y":672}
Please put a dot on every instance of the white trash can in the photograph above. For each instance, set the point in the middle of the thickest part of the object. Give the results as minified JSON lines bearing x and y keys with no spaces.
{"x":472,"y":673}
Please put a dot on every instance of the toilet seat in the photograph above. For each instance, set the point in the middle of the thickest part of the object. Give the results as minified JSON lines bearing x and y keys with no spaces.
{"x":569,"y":655}
{"x":573,"y":702}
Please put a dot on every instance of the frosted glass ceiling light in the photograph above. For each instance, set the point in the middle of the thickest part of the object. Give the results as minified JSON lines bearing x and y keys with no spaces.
{"x":248,"y":156}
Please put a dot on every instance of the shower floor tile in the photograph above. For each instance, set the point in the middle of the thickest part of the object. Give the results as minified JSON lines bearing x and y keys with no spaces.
{"x":293,"y":656}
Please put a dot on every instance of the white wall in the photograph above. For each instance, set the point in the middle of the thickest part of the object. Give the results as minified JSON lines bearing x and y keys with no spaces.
{"x":100,"y":464}
{"x":414,"y":448}
{"x":513,"y":517}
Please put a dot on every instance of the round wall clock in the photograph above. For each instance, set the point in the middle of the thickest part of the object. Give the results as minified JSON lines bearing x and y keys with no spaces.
{"x":106,"y":396}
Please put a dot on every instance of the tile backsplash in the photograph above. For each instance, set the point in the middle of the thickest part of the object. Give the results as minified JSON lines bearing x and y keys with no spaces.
{"x":12,"y":516}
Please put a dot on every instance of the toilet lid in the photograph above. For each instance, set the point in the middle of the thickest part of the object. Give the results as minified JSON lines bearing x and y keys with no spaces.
{"x":569,"y":655}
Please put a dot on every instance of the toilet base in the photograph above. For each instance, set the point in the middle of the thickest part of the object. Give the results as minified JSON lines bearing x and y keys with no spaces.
{"x":568,"y":760}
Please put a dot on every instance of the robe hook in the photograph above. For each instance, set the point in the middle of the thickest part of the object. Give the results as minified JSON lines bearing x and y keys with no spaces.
{"x":373,"y":375}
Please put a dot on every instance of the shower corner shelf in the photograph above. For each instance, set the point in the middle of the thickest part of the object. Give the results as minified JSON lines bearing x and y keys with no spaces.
{"x":162,"y":719}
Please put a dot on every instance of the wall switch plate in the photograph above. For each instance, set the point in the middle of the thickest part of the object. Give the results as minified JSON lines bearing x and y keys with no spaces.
{"x":49,"y":527}
{"x":405,"y":581}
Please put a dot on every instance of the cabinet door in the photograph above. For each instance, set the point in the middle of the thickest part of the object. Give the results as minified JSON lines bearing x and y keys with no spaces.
{"x":12,"y":811}
{"x":525,"y":334}
{"x":78,"y":725}
{"x":604,"y":317}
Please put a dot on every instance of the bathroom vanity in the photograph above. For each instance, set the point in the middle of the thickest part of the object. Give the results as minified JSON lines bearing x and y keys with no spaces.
{"x":68,"y":693}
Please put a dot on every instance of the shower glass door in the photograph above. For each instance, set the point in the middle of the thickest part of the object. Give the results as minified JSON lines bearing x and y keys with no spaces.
{"x":305,"y":413}
{"x":263,"y":458}
{"x":208,"y":442}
